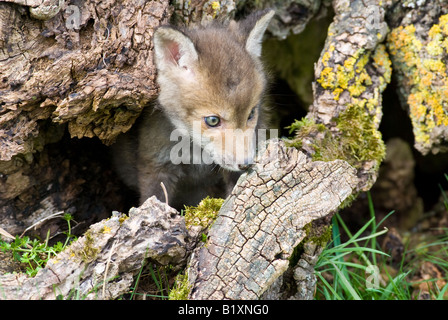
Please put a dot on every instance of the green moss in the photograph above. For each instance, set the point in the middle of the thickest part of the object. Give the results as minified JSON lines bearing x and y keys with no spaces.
{"x":305,"y":126}
{"x":204,"y":214}
{"x":348,"y":201}
{"x":88,"y":252}
{"x":317,"y":235}
{"x":181,"y":288}
{"x":356,"y":139}
{"x":360,"y":139}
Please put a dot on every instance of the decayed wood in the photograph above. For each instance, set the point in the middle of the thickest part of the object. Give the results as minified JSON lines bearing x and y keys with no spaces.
{"x":291,"y":15}
{"x":102,"y":263}
{"x":87,"y":70}
{"x":248,"y":248}
{"x":351,"y":74}
{"x":89,"y":66}
{"x":97,"y":75}
{"x":419,"y":51}
{"x":302,"y":275}
{"x":263,"y":221}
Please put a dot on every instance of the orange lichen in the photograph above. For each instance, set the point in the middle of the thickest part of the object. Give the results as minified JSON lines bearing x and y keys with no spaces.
{"x":425,"y":72}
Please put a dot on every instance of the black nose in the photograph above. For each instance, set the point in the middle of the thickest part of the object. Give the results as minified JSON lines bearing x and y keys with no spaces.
{"x":244,"y":167}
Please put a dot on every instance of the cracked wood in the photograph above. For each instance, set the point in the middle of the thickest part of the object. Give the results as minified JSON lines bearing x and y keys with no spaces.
{"x":262,"y":222}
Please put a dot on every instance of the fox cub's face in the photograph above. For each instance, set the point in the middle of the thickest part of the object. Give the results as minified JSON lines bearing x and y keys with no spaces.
{"x":211,"y":85}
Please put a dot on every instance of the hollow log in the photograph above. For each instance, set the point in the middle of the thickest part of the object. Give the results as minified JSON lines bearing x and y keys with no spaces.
{"x":248,"y":247}
{"x":87,"y":67}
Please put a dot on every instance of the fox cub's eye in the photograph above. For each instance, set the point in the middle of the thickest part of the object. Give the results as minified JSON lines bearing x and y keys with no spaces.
{"x":251,"y":114}
{"x":212,"y":121}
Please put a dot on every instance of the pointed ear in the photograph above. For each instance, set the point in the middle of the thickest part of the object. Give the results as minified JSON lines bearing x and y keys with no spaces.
{"x":255,"y":25}
{"x":173,"y":48}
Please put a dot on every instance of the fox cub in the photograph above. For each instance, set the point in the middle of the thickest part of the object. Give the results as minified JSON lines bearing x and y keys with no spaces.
{"x":211,"y":84}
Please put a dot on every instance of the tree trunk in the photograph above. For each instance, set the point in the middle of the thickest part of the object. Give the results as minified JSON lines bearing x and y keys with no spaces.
{"x":419,"y":49}
{"x":86,"y":67}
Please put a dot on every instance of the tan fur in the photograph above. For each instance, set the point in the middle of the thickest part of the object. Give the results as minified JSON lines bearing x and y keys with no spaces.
{"x":202,"y":72}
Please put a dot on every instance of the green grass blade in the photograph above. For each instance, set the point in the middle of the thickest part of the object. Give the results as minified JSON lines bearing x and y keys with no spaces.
{"x":373,"y":219}
{"x":328,"y":288}
{"x":346,"y":284}
{"x":441,"y":294}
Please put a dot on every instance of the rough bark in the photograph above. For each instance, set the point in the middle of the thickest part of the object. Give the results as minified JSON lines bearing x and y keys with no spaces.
{"x":249,"y":245}
{"x":291,"y":15}
{"x":88,"y":65}
{"x":263,"y":220}
{"x":418,"y":43}
{"x":84,"y":67}
{"x":351,"y":74}
{"x":93,"y":73}
{"x":102,"y":264}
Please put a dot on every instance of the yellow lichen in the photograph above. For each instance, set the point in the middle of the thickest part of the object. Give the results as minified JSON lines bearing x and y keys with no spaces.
{"x":363,"y":60}
{"x":343,"y":77}
{"x":325,"y":58}
{"x":444,"y":44}
{"x":426,"y":76}
{"x":337,"y":92}
{"x":87,"y":253}
{"x":434,"y":47}
{"x":381,"y":60}
{"x":443,"y":22}
{"x":327,"y":77}
{"x":106,"y":229}
{"x":351,"y":75}
{"x":215,"y":6}
{"x":356,"y":90}
{"x":122,"y":218}
{"x":434,"y":65}
{"x":349,"y":63}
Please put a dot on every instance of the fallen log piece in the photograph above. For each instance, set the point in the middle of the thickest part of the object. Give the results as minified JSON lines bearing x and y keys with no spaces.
{"x":248,"y":247}
{"x":102,"y":263}
{"x":263,"y":221}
